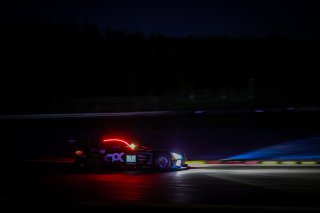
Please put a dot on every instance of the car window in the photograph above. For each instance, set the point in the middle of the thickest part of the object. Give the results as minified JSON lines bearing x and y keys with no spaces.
{"x":114,"y":146}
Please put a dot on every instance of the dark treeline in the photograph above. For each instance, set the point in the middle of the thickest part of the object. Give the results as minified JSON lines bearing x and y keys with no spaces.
{"x":62,"y":61}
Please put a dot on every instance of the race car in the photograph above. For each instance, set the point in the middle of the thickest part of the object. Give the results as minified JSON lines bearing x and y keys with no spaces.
{"x":112,"y":152}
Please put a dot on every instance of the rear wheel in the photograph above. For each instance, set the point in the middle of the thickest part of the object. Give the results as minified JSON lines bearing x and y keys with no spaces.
{"x":163,"y":161}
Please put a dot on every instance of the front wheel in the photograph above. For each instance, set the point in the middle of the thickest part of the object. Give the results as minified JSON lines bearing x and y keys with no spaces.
{"x":163,"y":161}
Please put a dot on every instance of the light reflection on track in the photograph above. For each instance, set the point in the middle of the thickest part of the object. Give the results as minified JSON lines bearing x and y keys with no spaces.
{"x":215,"y":185}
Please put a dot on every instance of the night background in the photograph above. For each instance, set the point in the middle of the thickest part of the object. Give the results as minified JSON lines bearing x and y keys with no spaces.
{"x":84,"y":56}
{"x":230,"y":86}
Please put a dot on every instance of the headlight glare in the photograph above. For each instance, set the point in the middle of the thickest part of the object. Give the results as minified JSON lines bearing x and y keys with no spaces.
{"x":176,"y":156}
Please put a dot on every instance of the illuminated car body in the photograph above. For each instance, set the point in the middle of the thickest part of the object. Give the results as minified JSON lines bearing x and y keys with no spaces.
{"x":119,"y":153}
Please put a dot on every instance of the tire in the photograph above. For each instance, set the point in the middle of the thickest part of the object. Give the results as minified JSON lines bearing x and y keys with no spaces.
{"x":163,"y":161}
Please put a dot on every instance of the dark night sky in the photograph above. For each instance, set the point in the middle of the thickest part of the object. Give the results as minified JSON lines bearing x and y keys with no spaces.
{"x":249,"y":18}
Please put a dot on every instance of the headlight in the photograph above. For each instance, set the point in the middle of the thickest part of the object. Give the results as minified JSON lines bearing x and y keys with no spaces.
{"x":176,"y":156}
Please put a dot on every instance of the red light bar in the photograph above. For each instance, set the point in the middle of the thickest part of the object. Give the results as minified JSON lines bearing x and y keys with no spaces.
{"x":119,"y":140}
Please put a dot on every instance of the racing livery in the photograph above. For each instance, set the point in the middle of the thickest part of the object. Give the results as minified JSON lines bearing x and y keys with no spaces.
{"x":119,"y":153}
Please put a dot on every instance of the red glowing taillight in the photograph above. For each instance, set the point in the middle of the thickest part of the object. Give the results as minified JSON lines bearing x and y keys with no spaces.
{"x":78,"y":153}
{"x":131,"y":146}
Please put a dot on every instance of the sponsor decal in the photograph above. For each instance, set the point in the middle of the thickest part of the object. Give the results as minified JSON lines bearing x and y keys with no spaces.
{"x":115,"y":157}
{"x":131,"y":158}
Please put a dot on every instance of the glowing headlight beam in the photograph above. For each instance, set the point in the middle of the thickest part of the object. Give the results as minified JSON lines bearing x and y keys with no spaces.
{"x":176,"y":156}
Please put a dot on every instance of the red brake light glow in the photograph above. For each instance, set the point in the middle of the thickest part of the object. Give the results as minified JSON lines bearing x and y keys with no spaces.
{"x":119,"y":140}
{"x":78,"y":152}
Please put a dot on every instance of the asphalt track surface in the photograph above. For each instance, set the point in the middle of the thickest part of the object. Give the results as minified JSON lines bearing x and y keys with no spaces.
{"x":40,"y":186}
{"x":56,"y":187}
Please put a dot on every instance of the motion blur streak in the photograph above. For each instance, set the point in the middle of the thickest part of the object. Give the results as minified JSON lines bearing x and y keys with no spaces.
{"x":309,"y":163}
{"x":270,"y":162}
{"x":248,"y":171}
{"x":86,"y":115}
{"x":289,"y":162}
{"x":303,"y":149}
{"x":193,"y":162}
{"x":215,"y":185}
{"x":292,"y":180}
